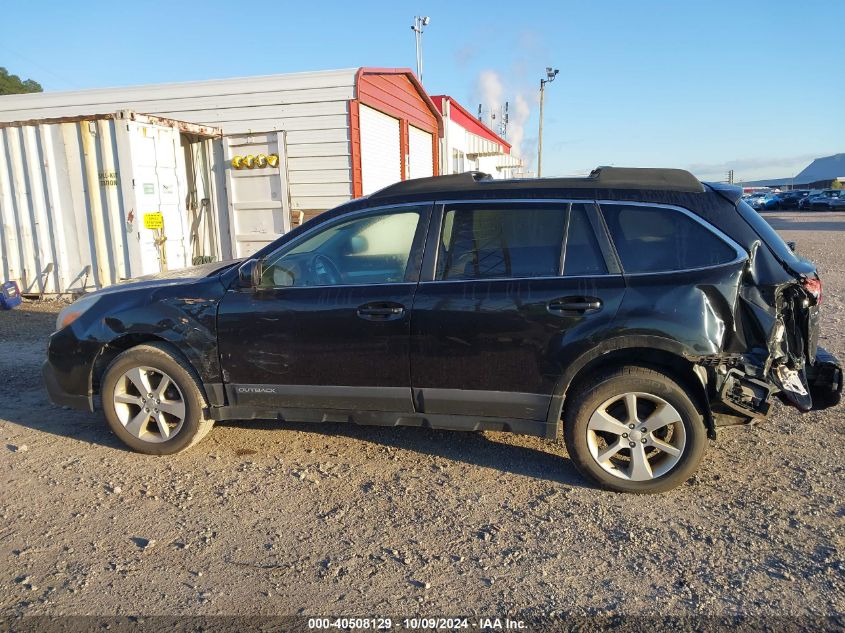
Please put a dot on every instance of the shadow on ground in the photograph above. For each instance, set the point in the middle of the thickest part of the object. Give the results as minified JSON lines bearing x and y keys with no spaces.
{"x":475,"y":449}
{"x":34,"y":410}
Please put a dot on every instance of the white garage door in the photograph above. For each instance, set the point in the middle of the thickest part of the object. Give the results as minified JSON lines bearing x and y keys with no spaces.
{"x":420,"y":153}
{"x":380,"y":153}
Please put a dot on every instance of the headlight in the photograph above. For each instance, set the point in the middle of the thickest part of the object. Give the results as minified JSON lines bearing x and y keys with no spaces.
{"x":75,"y":310}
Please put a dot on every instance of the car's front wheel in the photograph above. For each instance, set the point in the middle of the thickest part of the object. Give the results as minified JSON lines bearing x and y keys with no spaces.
{"x":634,"y":430}
{"x":153,"y":402}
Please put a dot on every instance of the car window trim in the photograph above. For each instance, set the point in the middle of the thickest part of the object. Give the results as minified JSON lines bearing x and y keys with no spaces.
{"x":368,"y":284}
{"x":499,"y":279}
{"x":602,"y":233}
{"x":428,"y":270}
{"x":417,"y":245}
{"x":741,"y":253}
{"x":432,"y":246}
{"x":567,"y":220}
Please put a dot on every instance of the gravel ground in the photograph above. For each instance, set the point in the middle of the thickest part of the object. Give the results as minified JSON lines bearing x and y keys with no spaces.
{"x":270,"y":518}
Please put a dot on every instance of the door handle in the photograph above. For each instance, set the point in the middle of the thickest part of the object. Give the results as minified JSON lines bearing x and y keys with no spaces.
{"x":568,"y":305}
{"x":381,"y":311}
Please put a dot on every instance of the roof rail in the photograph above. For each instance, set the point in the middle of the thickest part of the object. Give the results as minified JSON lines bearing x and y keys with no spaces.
{"x":432,"y":183}
{"x":600,"y":178}
{"x":645,"y":178}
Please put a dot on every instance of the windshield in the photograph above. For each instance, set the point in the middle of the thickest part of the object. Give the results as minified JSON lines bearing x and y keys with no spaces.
{"x":767,"y":234}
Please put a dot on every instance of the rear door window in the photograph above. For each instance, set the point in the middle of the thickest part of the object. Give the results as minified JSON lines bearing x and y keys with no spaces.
{"x":500,"y":241}
{"x":657,"y":239}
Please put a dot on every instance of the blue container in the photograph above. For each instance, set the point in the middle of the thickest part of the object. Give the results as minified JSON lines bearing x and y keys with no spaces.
{"x":10,"y":295}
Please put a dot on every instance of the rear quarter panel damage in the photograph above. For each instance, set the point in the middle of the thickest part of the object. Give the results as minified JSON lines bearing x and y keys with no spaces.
{"x":694,"y":308}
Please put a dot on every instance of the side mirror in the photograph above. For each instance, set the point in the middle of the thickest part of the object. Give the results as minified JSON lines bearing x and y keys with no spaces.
{"x":792,"y":246}
{"x":249,"y":274}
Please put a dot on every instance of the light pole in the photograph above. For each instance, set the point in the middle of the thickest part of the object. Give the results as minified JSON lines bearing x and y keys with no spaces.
{"x":420,"y":22}
{"x":550,"y":77}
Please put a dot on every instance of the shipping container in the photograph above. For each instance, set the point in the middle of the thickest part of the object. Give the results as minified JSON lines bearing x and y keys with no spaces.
{"x":87,"y":201}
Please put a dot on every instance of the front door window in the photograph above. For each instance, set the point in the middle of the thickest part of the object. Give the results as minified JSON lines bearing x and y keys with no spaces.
{"x":374,"y":249}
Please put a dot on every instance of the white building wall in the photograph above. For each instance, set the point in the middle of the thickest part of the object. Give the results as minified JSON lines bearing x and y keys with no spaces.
{"x":311,"y":107}
{"x":500,"y":166}
{"x":458,"y":139}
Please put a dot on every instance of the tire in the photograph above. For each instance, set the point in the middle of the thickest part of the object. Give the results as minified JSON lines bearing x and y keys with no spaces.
{"x":603,"y":447}
{"x":176,"y":419}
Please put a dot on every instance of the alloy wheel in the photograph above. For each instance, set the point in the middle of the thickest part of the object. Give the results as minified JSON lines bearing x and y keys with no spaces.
{"x":149,"y":404}
{"x":636,"y":436}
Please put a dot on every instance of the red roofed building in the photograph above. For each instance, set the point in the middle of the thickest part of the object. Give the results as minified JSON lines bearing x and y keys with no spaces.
{"x":468,"y":144}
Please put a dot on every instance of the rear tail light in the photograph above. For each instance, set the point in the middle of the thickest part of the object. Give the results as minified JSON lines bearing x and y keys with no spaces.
{"x":813,"y":285}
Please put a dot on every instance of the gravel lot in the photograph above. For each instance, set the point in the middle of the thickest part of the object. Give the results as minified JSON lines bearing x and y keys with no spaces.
{"x":269,"y":518}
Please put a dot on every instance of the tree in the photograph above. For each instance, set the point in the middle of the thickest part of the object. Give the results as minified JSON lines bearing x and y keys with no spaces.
{"x":14,"y":85}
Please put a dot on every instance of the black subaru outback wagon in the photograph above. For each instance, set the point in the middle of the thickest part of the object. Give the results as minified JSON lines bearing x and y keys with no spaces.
{"x":635,"y":310}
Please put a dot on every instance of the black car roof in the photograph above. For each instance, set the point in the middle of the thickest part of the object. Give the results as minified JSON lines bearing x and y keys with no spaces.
{"x":713,"y":201}
{"x":629,"y":178}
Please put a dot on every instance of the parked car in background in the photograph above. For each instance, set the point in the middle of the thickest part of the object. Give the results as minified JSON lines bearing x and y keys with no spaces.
{"x":791,"y":199}
{"x":632,"y":311}
{"x":754,"y":198}
{"x":832,"y":200}
{"x":767,"y":202}
{"x":837,"y":203}
{"x":807,"y":203}
{"x":804,"y":203}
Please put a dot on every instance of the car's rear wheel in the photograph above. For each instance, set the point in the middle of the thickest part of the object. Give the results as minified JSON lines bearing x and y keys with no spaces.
{"x":634,"y":430}
{"x":153,"y":402}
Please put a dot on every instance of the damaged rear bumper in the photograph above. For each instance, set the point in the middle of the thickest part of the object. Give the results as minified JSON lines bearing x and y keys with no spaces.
{"x":744,"y":391}
{"x":815,"y":386}
{"x":824,"y":379}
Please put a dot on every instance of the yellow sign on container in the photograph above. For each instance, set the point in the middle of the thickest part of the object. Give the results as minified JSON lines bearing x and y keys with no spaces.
{"x":154,"y":220}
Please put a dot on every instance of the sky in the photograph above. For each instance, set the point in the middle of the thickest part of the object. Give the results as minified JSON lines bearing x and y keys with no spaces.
{"x":750,"y":85}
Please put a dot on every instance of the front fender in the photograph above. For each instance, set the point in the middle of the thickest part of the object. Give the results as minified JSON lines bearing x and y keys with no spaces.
{"x":183,"y":314}
{"x":183,"y":317}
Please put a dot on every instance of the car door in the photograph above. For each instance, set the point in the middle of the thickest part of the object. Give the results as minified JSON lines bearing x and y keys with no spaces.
{"x":509,"y":292}
{"x":328,"y":324}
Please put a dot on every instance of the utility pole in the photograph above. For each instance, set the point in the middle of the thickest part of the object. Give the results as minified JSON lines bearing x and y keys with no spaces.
{"x":420,"y":22}
{"x":550,"y":77}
